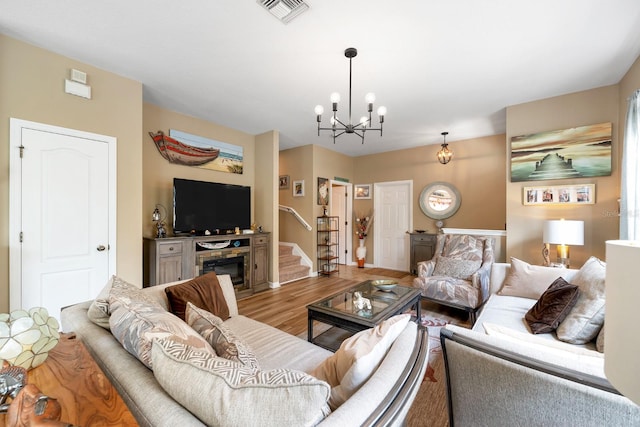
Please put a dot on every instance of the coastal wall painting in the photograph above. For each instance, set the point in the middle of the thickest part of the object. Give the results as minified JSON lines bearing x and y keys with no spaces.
{"x":560,"y":195}
{"x":363,"y":191}
{"x":229,"y":158}
{"x":578,"y":152}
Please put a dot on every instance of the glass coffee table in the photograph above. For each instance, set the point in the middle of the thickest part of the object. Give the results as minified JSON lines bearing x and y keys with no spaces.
{"x":386,"y":298}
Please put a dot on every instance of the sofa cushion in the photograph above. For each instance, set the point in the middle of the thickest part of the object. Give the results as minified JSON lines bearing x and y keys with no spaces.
{"x":457,"y":268}
{"x":98,"y":311}
{"x":223,"y":393}
{"x":358,"y":357}
{"x":552,"y":307}
{"x":204,"y":292}
{"x":530,"y":281}
{"x":586,"y":318}
{"x":223,"y":341}
{"x":600,"y":340}
{"x":135,"y":323}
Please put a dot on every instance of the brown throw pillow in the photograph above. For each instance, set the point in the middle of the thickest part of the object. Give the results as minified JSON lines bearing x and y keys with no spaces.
{"x":552,"y":307}
{"x":204,"y":292}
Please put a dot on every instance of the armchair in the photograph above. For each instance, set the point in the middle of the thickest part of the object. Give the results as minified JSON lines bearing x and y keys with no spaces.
{"x":458,"y":274}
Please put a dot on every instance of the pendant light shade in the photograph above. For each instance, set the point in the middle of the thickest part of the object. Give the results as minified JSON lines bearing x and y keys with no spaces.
{"x":444,"y":155}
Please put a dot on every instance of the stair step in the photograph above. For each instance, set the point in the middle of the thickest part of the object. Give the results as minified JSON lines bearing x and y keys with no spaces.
{"x":291,"y":273}
{"x":287,"y":260}
{"x":285,"y":250}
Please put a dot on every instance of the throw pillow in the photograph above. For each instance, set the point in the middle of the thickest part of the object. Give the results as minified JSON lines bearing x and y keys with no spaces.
{"x":223,"y":393}
{"x":203,"y":291}
{"x":223,"y":341}
{"x":135,"y":323}
{"x":529,"y":281}
{"x":457,"y":268}
{"x":585,"y":319}
{"x":552,"y":307}
{"x":98,"y":311}
{"x":357,"y":358}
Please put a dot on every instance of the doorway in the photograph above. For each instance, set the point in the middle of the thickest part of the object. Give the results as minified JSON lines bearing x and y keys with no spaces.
{"x":393,"y":206}
{"x":62,"y":222}
{"x":340,"y":205}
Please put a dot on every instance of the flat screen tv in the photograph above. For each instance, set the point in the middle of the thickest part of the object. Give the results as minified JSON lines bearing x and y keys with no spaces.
{"x":199,"y":206}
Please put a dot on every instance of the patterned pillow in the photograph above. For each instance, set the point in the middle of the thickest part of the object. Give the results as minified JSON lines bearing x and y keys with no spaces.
{"x":135,"y":323}
{"x":458,"y":268}
{"x":586,"y":318}
{"x":223,"y":393}
{"x":98,"y":311}
{"x":223,"y":341}
{"x":552,"y":307}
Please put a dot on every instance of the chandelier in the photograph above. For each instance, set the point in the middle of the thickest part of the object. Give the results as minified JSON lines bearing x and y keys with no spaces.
{"x":444,"y":155}
{"x":338,"y":127}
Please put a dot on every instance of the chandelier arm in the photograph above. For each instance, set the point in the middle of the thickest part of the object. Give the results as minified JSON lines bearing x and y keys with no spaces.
{"x":350,"y":61}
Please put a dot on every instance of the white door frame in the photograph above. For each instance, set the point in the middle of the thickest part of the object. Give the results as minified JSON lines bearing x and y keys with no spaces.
{"x":348,"y":229}
{"x":377,"y":186}
{"x":15,"y":198}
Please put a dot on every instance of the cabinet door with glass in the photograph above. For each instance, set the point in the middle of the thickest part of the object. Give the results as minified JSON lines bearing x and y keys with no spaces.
{"x":328,"y":235}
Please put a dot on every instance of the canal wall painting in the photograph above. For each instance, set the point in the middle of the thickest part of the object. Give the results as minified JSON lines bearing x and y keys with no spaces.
{"x":229,"y":159}
{"x":578,"y":152}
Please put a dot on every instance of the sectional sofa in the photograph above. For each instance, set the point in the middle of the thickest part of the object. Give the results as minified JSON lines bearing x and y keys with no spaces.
{"x":185,"y":393}
{"x":500,"y":373}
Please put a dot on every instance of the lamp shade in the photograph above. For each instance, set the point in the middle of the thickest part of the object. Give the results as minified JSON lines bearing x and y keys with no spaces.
{"x":563,"y":232}
{"x":622,"y":293}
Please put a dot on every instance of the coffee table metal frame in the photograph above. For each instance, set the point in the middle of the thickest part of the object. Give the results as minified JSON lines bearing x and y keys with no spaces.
{"x":352,"y":322}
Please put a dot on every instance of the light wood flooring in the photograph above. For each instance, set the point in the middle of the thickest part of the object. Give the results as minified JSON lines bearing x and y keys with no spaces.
{"x":285,"y":307}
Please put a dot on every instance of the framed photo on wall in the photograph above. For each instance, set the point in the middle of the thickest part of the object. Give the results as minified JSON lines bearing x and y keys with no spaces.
{"x":284,"y":182}
{"x":584,"y":194}
{"x":323,"y":191}
{"x":362,"y":191}
{"x":298,"y":188}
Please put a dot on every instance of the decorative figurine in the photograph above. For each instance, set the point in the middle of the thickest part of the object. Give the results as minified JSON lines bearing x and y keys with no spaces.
{"x":361,"y":303}
{"x":12,"y":380}
{"x":161,"y":233}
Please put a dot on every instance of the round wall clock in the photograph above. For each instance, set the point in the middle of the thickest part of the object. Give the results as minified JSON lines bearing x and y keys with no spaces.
{"x":439,"y":200}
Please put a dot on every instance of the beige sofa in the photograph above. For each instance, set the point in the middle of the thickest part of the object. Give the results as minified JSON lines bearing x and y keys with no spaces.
{"x":499,"y":373}
{"x":383,"y":399}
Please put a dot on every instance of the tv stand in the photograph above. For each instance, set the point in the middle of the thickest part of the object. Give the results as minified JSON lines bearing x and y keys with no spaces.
{"x":244,"y":256}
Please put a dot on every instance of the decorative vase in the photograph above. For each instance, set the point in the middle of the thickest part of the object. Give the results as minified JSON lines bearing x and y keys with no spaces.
{"x":361,"y":253}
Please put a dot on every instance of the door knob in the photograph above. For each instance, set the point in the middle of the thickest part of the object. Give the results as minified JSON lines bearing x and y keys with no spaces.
{"x":101,"y":248}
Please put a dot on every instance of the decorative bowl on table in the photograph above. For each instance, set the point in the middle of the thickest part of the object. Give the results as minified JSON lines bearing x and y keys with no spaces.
{"x":385,"y":285}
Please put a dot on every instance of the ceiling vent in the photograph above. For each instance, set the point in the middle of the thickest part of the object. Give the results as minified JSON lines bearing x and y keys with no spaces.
{"x":284,"y":10}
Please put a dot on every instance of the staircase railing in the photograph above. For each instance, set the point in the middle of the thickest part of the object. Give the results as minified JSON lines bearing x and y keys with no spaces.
{"x":297,"y":216}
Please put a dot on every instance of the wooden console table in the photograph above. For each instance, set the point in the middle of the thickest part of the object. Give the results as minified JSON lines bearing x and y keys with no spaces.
{"x":86,"y":396}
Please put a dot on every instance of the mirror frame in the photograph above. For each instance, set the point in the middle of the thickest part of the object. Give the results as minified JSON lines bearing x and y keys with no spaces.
{"x":443,"y":214}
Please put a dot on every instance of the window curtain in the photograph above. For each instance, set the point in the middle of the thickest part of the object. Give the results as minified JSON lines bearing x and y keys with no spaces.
{"x":629,"y":200}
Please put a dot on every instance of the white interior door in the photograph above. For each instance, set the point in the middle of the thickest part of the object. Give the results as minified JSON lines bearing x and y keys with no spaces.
{"x":393,"y":218}
{"x":62,"y":191}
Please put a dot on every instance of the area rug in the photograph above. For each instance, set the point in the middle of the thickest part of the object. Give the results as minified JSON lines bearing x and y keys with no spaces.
{"x":387,"y":273}
{"x":433,"y":325}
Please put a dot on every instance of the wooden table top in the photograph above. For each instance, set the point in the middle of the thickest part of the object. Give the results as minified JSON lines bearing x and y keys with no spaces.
{"x":85,"y":394}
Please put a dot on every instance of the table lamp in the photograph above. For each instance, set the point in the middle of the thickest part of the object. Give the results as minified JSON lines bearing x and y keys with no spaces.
{"x":562,"y":233}
{"x":622,"y":292}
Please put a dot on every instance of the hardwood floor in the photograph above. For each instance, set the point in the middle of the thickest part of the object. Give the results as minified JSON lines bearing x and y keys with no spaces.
{"x":285,"y":307}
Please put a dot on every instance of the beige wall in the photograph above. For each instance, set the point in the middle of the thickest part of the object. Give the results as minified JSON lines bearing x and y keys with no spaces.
{"x":158,"y":173}
{"x":524,"y":223}
{"x":477,"y":171}
{"x":32,"y":88}
{"x":266,"y":193}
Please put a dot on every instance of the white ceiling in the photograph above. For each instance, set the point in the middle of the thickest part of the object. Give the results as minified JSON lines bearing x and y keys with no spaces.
{"x":449,"y":65}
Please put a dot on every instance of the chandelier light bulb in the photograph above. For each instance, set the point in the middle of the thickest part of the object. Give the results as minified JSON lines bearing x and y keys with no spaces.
{"x":370,"y":98}
{"x":382,"y":111}
{"x":335,"y":97}
{"x":333,"y":121}
{"x":363,"y":121}
{"x":319,"y":110}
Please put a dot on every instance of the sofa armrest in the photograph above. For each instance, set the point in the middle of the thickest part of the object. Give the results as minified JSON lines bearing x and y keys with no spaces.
{"x":425,"y":268}
{"x":488,"y":385}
